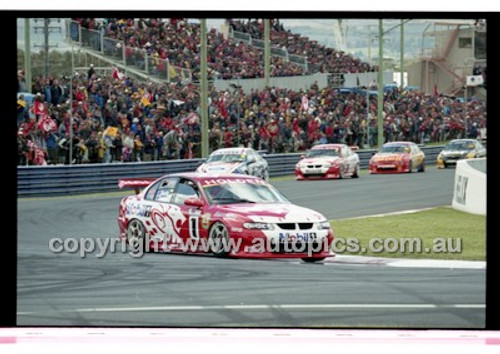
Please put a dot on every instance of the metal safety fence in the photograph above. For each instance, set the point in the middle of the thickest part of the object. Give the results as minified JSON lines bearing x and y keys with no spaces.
{"x":94,"y":178}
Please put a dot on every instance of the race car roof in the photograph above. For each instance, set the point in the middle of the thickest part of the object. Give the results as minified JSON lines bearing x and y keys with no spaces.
{"x":327,"y":146}
{"x":398,"y":143}
{"x":201,"y":177}
{"x":236,"y":151}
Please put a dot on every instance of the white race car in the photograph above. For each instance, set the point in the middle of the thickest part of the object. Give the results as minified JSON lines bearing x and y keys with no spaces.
{"x":236,"y":160}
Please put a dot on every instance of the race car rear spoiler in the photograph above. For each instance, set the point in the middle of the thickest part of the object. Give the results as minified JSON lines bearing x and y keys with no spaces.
{"x":136,"y":183}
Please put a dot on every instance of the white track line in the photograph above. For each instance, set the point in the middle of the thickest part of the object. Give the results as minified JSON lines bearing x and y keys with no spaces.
{"x":267,"y":307}
{"x":404,"y":262}
{"x":401,"y":212}
{"x":436,"y":263}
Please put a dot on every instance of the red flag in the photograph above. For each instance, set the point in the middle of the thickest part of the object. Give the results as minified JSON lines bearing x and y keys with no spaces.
{"x":39,"y":108}
{"x":46,"y":124}
{"x":191,"y":119}
{"x":305,"y":103}
{"x":295,"y":125}
{"x":222,"y":107}
{"x":36,"y":155}
{"x":117,"y":74}
{"x":273,"y":128}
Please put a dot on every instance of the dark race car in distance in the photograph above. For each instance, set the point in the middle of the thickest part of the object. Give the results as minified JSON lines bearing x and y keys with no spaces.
{"x":459,"y":149}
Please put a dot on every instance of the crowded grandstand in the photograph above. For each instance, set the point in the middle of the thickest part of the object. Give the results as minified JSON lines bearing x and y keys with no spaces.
{"x":115,"y":117}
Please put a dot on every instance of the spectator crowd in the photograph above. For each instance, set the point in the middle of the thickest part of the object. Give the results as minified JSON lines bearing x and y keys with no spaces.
{"x":177,"y":41}
{"x":111,"y":117}
{"x":115,"y":118}
{"x":320,"y":58}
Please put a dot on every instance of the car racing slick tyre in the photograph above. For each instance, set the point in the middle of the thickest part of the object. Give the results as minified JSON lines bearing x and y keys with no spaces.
{"x":313,"y":260}
{"x":265,"y":175}
{"x":219,"y":237}
{"x":422,"y":167}
{"x":136,"y":236}
{"x":341,"y":172}
{"x":355,"y":174}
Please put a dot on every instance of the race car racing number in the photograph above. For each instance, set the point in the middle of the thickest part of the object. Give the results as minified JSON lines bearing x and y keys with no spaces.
{"x":194,"y":230}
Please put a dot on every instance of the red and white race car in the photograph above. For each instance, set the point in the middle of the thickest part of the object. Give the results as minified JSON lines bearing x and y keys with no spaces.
{"x":225,"y":215}
{"x":398,"y":157}
{"x":328,"y":161}
{"x":236,"y":160}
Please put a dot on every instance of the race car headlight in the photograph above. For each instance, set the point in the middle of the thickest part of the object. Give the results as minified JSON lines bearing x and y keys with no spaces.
{"x":300,"y":165}
{"x":470,"y":155}
{"x":325,"y":225}
{"x":440,"y":157}
{"x":258,"y":226}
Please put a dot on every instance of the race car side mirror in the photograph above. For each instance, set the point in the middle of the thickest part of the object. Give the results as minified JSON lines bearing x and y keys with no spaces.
{"x":195,"y":202}
{"x":302,"y":156}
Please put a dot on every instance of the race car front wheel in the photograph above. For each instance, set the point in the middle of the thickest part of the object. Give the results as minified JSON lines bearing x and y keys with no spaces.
{"x":135,"y":234}
{"x":341,"y":172}
{"x":410,"y":167}
{"x":219,"y":239}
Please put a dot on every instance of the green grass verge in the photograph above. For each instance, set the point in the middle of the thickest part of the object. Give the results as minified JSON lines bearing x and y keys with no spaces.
{"x":440,"y":233}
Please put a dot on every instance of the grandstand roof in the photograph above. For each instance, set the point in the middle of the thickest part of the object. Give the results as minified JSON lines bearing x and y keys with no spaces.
{"x":448,"y":22}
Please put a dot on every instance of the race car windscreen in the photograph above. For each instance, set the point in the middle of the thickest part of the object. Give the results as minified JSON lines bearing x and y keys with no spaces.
{"x":229,"y":193}
{"x":394,"y":148}
{"x":323,"y":153}
{"x":459,"y":146}
{"x":226,"y":158}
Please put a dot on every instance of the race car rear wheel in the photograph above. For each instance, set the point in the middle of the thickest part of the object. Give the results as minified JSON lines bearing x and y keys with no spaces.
{"x":312,"y":259}
{"x":219,"y":239}
{"x":422,"y":167}
{"x":355,"y":174}
{"x":265,"y":175}
{"x":135,"y":234}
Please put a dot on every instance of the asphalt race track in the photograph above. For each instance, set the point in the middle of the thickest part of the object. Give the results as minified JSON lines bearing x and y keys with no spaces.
{"x":201,"y":291}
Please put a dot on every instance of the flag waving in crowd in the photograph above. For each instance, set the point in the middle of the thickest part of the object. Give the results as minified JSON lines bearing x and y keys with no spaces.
{"x":116,"y":74}
{"x":39,"y":108}
{"x":273,"y":128}
{"x":46,"y":124}
{"x":36,"y":155}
